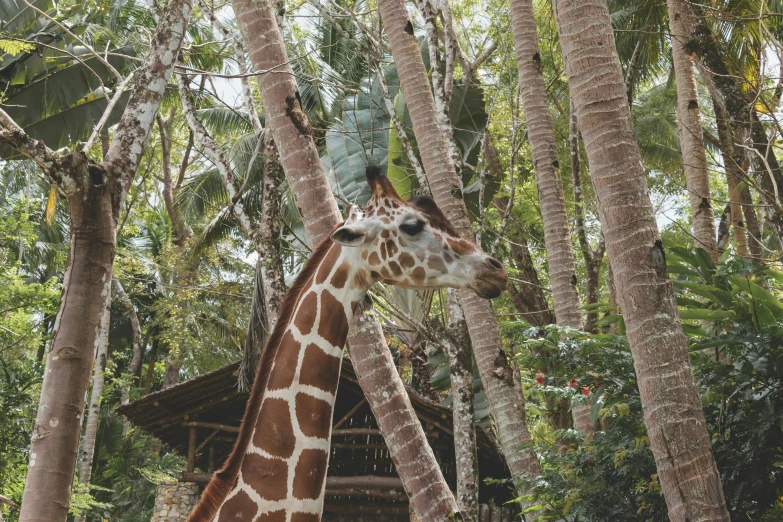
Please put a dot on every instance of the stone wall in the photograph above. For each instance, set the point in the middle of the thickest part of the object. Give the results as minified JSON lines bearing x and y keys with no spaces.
{"x":173,"y":502}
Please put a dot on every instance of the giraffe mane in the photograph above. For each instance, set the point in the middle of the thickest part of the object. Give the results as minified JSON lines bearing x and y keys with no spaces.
{"x":224,"y":480}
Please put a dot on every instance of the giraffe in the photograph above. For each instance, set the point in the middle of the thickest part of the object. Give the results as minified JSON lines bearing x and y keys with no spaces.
{"x":277,"y":469}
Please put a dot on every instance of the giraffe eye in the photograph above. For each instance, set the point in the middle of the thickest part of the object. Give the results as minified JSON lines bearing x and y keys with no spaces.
{"x":412,"y":228}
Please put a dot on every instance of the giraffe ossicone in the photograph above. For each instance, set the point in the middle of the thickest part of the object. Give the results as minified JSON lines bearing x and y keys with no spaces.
{"x":277,"y":470}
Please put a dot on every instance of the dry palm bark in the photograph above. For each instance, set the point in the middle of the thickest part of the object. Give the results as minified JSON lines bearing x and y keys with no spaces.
{"x":540,"y":130}
{"x":675,"y":422}
{"x":541,"y":133}
{"x":94,"y":411}
{"x":95,"y":195}
{"x":496,"y":373}
{"x":427,"y":490}
{"x":694,"y":156}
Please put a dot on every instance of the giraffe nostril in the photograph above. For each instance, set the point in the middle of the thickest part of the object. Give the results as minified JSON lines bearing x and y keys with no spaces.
{"x":494,"y":263}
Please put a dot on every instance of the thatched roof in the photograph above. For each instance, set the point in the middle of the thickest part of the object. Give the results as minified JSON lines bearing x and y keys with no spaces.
{"x":213,"y":398}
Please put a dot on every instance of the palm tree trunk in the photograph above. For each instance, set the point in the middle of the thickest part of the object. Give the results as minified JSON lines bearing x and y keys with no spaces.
{"x":732,"y":164}
{"x":135,"y":364}
{"x":557,"y":236}
{"x":678,"y":434}
{"x":496,"y":373}
{"x":694,"y":156}
{"x":94,"y":411}
{"x":428,"y":492}
{"x":95,"y":195}
{"x":463,"y":409}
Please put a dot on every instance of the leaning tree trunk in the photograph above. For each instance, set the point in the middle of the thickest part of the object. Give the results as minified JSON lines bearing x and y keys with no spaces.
{"x":135,"y":364}
{"x":95,"y":195}
{"x":94,"y":411}
{"x":675,"y":421}
{"x":463,"y":409}
{"x":694,"y":156}
{"x":540,"y":131}
{"x":427,"y":490}
{"x":496,"y":372}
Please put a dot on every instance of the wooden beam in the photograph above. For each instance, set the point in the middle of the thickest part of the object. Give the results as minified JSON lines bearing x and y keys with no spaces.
{"x":354,"y":508}
{"x":198,"y":478}
{"x":364,"y":481}
{"x":175,"y":418}
{"x":191,"y":465}
{"x":355,"y":431}
{"x":382,"y":494}
{"x":211,"y":425}
{"x":206,"y":441}
{"x":348,"y":415}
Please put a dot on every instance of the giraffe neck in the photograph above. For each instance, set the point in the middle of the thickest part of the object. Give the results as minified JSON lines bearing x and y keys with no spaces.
{"x":282,"y":474}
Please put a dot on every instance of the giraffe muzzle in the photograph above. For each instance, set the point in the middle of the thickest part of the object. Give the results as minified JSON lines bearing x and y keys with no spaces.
{"x":492,"y":279}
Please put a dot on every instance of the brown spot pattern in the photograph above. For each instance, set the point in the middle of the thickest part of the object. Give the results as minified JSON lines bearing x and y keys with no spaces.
{"x":268,"y":477}
{"x":238,"y":508}
{"x":333,"y":326}
{"x":285,"y":363}
{"x":447,"y":257}
{"x":395,"y":268}
{"x":310,"y":473}
{"x":314,"y":416}
{"x":275,"y":516}
{"x":407,"y":261}
{"x":383,"y":251}
{"x":327,"y":264}
{"x":305,"y":317}
{"x":374,"y":259}
{"x":418,"y":275}
{"x":341,"y":275}
{"x":391,"y":248}
{"x":436,"y":263}
{"x":275,"y":434}
{"x":320,"y":369}
{"x":460,"y":246}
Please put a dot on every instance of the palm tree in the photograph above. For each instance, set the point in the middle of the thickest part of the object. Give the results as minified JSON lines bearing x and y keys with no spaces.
{"x":496,"y":372}
{"x":675,"y":422}
{"x":299,"y":157}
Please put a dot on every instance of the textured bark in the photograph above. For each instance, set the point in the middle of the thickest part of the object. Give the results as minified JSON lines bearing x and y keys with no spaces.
{"x":593,"y":258}
{"x":94,"y":410}
{"x":496,"y":374}
{"x":529,"y":299}
{"x":463,"y":409}
{"x":415,"y":462}
{"x":689,"y":478}
{"x":540,"y":131}
{"x":732,"y":165}
{"x":95,"y":195}
{"x":694,"y":156}
{"x":430,"y":496}
{"x":135,"y":364}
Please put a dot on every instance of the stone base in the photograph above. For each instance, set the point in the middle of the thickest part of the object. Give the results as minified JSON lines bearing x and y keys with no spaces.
{"x":174,"y":502}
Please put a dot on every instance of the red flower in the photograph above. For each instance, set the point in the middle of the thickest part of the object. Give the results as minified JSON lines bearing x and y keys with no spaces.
{"x":585,"y":391}
{"x":540,"y":378}
{"x":573,"y":383}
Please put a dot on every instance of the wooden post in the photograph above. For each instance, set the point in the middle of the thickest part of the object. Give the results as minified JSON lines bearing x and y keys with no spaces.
{"x":191,"y":451}
{"x":484,"y":513}
{"x":211,"y":465}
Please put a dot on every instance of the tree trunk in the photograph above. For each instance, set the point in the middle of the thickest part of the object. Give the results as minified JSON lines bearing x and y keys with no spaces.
{"x":689,"y":478}
{"x":496,"y":373}
{"x":529,"y":299}
{"x":421,"y":475}
{"x":593,"y":258}
{"x":95,"y":195}
{"x":94,"y":411}
{"x":151,"y":367}
{"x":463,"y":409}
{"x":732,"y":165}
{"x":135,"y":364}
{"x":694,"y":157}
{"x":557,"y":236}
{"x":55,"y":440}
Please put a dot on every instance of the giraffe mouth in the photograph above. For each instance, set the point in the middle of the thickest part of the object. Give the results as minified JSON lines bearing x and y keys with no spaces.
{"x":489,"y":289}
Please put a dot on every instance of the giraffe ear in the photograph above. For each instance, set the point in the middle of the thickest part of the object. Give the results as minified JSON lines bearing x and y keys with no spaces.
{"x":350,"y":235}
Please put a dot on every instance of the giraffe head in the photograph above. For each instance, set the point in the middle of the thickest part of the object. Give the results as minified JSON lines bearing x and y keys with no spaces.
{"x":411,"y":244}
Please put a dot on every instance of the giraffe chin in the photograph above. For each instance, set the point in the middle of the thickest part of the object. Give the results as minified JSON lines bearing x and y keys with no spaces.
{"x":487,"y":289}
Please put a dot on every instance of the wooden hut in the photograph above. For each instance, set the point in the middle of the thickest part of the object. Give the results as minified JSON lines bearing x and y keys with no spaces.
{"x":200,"y":419}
